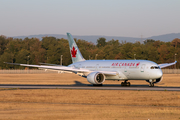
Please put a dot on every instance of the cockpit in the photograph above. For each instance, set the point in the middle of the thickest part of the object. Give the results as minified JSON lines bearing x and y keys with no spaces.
{"x":155,"y":67}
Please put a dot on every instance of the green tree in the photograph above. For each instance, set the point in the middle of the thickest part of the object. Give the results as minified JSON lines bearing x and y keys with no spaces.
{"x":149,"y":41}
{"x":101,"y":42}
{"x":7,"y":57}
{"x":176,"y":42}
{"x":3,"y":43}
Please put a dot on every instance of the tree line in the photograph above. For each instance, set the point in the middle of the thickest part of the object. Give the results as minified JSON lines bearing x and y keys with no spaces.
{"x":50,"y":49}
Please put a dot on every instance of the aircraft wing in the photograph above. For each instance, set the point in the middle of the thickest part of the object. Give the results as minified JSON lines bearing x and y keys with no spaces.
{"x":108,"y":73}
{"x":166,"y":64}
{"x":65,"y":68}
{"x":50,"y":64}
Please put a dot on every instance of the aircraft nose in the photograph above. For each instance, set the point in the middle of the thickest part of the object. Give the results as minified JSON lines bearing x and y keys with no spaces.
{"x":159,"y":73}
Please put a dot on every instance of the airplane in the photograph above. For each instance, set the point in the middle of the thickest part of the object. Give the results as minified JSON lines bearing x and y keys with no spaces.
{"x":97,"y":71}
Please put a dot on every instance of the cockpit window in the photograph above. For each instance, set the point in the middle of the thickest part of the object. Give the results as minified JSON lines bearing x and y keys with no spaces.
{"x":152,"y":67}
{"x":155,"y":67}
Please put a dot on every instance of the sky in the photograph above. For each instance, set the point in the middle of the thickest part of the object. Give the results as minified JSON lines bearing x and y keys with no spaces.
{"x":127,"y":18}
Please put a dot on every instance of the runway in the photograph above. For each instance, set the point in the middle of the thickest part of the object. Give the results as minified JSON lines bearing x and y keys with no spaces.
{"x":89,"y":87}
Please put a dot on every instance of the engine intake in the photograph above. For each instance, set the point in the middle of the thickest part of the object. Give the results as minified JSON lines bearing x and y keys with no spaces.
{"x":96,"y":78}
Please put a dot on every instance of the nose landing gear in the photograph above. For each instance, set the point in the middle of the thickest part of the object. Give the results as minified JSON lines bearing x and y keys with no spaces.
{"x":151,"y":83}
{"x":125,"y":83}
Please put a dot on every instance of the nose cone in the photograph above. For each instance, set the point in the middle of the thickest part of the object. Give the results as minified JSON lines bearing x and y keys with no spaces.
{"x":159,"y":73}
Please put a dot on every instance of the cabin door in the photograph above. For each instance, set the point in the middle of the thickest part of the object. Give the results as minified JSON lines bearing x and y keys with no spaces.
{"x":125,"y":69}
{"x":142,"y":67}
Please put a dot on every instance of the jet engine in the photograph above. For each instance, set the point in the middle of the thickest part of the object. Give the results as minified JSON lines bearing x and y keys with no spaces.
{"x":156,"y":80}
{"x":96,"y":78}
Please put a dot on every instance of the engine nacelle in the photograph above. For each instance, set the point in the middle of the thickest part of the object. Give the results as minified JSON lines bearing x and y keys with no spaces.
{"x":96,"y":78}
{"x":156,"y":80}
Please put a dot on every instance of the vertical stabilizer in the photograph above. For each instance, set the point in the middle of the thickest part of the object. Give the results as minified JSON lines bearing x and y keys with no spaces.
{"x":74,"y":50}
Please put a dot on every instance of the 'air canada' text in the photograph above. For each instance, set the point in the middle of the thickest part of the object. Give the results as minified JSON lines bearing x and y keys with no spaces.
{"x":126,"y":64}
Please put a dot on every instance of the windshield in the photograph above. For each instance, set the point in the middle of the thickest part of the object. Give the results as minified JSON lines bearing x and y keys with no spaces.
{"x":155,"y":67}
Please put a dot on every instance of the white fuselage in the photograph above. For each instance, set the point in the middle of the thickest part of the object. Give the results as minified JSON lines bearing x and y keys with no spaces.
{"x":126,"y":69}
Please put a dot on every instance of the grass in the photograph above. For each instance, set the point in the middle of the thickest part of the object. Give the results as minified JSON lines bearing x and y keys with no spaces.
{"x":35,"y":104}
{"x":88,"y":104}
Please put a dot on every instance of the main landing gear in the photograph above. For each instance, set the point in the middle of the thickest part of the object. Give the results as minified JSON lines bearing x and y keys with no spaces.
{"x":125,"y":83}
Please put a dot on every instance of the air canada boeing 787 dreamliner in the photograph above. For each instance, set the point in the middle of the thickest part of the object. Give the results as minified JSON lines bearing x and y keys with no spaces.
{"x":97,"y":71}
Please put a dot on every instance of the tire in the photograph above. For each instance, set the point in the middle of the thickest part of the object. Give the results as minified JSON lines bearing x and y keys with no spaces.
{"x":128,"y":84}
{"x":151,"y":85}
{"x":122,"y":84}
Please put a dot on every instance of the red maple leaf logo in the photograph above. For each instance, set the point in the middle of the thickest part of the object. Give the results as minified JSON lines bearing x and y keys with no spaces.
{"x":137,"y":64}
{"x":73,"y":52}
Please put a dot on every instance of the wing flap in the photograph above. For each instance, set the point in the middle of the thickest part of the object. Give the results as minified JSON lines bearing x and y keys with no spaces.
{"x":64,"y":68}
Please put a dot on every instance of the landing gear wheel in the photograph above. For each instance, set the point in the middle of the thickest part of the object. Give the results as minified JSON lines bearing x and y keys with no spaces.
{"x":122,"y":84}
{"x":125,"y":83}
{"x":128,"y":84}
{"x":151,"y":85}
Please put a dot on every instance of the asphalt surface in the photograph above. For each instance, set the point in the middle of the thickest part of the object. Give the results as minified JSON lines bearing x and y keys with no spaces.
{"x":90,"y":87}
